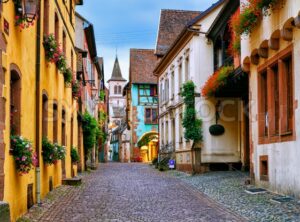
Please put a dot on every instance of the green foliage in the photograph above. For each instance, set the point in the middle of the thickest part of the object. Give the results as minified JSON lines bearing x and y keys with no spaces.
{"x":147,"y":139}
{"x":90,"y":131}
{"x":68,"y":75}
{"x":23,"y":154}
{"x":52,"y":152}
{"x":102,"y":95}
{"x":192,"y":125}
{"x":74,"y":155}
{"x":102,"y":116}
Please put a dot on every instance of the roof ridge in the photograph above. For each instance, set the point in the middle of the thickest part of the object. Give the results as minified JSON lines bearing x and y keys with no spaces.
{"x":180,"y":10}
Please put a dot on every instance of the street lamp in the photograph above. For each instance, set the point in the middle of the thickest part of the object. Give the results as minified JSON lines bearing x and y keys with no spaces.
{"x":30,"y":9}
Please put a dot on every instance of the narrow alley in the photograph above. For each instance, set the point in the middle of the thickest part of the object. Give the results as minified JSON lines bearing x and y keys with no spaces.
{"x":130,"y":192}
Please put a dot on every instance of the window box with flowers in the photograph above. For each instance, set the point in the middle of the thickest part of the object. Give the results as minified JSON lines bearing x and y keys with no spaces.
{"x":216,"y":81}
{"x":55,"y":55}
{"x":52,"y":152}
{"x":251,"y":13}
{"x":23,"y":153}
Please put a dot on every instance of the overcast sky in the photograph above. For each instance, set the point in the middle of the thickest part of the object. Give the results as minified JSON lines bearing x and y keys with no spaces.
{"x":123,"y":24}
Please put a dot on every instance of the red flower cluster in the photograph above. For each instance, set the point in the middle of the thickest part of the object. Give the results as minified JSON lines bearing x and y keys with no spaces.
{"x":216,"y":81}
{"x":235,"y":43}
{"x":22,"y":22}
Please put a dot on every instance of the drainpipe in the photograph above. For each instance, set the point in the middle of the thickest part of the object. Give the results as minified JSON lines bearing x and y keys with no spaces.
{"x":37,"y":108}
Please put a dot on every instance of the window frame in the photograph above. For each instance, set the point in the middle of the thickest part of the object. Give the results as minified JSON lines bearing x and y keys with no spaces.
{"x":270,"y":124}
{"x":152,"y":121}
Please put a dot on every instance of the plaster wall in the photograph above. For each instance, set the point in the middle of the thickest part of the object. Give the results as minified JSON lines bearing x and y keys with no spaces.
{"x":283,"y":158}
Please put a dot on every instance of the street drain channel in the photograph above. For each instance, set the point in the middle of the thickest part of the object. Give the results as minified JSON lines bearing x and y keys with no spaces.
{"x":281,"y":199}
{"x":255,"y":191}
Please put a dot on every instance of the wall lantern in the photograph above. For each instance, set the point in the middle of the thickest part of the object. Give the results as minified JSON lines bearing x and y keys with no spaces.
{"x":30,"y":9}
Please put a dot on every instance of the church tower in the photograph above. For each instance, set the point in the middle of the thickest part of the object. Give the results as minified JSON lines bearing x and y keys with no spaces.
{"x":117,"y":101}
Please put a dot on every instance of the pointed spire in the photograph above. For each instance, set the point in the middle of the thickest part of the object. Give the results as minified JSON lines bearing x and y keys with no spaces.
{"x":117,"y":74}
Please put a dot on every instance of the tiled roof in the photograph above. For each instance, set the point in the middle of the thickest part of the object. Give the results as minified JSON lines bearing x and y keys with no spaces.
{"x":117,"y":74}
{"x":171,"y":24}
{"x":142,"y":64}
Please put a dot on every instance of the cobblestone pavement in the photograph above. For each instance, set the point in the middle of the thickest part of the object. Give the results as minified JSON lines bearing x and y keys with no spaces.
{"x":129,"y":192}
{"x":228,"y":189}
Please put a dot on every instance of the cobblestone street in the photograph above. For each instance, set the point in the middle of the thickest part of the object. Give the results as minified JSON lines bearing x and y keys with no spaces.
{"x":128,"y":192}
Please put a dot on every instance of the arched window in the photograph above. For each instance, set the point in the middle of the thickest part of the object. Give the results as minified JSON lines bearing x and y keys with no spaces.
{"x":116,"y":90}
{"x":15,"y":102}
{"x":45,"y":116}
{"x":120,"y":90}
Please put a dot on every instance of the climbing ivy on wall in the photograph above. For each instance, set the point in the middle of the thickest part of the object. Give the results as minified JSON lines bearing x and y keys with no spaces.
{"x":90,"y":131}
{"x":192,"y":124}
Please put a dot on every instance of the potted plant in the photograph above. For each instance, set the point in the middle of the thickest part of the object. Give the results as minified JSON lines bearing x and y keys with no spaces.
{"x":23,"y":154}
{"x":217,"y":129}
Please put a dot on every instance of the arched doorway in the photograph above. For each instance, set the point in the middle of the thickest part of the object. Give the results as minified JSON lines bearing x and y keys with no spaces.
{"x":148,"y":144}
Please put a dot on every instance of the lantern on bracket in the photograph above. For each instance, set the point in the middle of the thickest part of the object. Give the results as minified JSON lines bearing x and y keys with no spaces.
{"x":30,"y":9}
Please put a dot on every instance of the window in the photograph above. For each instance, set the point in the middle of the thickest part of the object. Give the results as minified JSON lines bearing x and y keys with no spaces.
{"x":153,"y":90}
{"x":180,"y":128}
{"x":55,"y":122}
{"x":172,"y":85}
{"x":71,"y":11}
{"x":115,"y":89}
{"x":275,"y":96}
{"x":162,"y":133}
{"x":264,"y":168}
{"x":56,"y":28}
{"x":167,"y":90}
{"x":46,"y":17}
{"x":147,"y":94}
{"x":187,"y":68}
{"x":119,"y":89}
{"x":64,"y":43}
{"x":15,"y":103}
{"x":167,"y":132}
{"x":161,"y":92}
{"x":151,"y":116}
{"x":179,"y":77}
{"x":63,"y":128}
{"x":72,"y":62}
{"x":45,"y":117}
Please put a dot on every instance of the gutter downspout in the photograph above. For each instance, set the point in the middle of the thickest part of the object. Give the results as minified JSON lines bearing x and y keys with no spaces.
{"x":37,"y":98}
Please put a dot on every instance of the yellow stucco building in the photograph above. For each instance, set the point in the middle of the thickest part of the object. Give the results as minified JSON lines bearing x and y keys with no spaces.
{"x":34,"y":90}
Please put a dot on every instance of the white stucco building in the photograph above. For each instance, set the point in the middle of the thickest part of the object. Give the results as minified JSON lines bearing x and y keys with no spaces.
{"x":270,"y":56}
